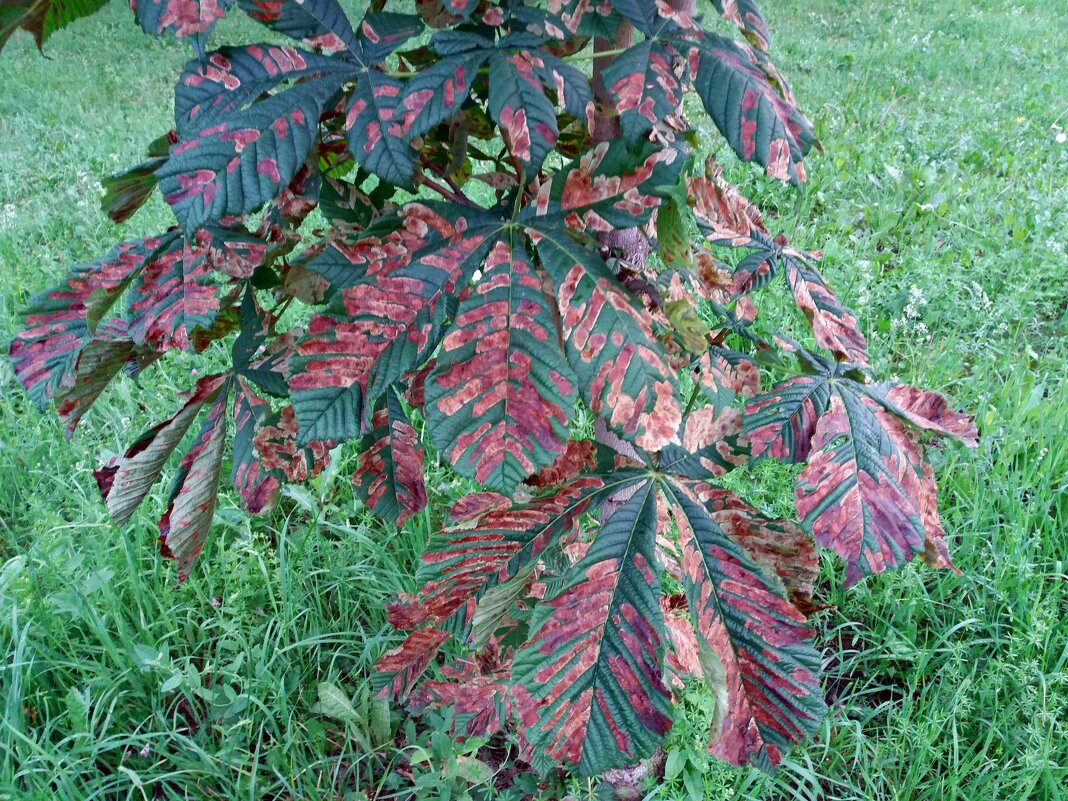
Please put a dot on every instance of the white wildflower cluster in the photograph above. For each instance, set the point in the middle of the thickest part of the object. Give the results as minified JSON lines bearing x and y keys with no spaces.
{"x":7,"y":215}
{"x":980,"y":294}
{"x":863,"y":282}
{"x":910,"y":322}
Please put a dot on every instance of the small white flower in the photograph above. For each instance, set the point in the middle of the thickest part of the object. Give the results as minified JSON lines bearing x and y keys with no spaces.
{"x":1061,"y":138}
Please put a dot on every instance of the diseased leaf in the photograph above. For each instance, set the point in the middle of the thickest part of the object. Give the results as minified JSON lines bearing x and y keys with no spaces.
{"x":643,"y":81}
{"x":611,"y":186}
{"x":398,"y":669}
{"x":401,"y":274}
{"x":571,"y":85}
{"x":623,"y":373}
{"x":178,"y":291}
{"x":389,"y":474}
{"x":780,"y":546}
{"x":382,"y":32}
{"x":100,"y":359}
{"x":258,"y":487}
{"x":320,"y":24}
{"x":59,"y":322}
{"x":746,"y":15}
{"x":755,"y":650}
{"x":241,"y":147}
{"x":179,"y":17}
{"x":125,"y":192}
{"x":493,"y":541}
{"x":833,"y":325}
{"x":436,"y":92}
{"x":713,"y":443}
{"x":186,"y":523}
{"x":501,"y":397}
{"x":442,"y":13}
{"x":592,"y":670}
{"x":517,"y":103}
{"x":927,"y":410}
{"x":759,"y":124}
{"x":125,"y":480}
{"x":780,"y":423}
{"x":481,"y":705}
{"x":860,"y":492}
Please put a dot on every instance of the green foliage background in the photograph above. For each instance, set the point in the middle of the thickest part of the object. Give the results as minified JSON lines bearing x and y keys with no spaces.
{"x":941,"y":203}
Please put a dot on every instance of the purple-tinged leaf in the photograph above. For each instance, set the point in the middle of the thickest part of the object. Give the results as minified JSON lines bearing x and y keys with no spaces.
{"x":186,"y":523}
{"x":713,"y":443}
{"x":780,"y":546}
{"x":610,"y":186}
{"x":99,"y":360}
{"x":59,"y":321}
{"x":935,"y":549}
{"x":731,"y":219}
{"x":645,"y":88}
{"x":125,"y":192}
{"x":571,"y":85}
{"x":319,"y":24}
{"x":389,"y":473}
{"x":240,"y":147}
{"x":499,"y":402}
{"x":725,"y":375}
{"x":492,"y":541}
{"x":624,"y":375}
{"x":746,"y":15}
{"x":395,"y":277}
{"x":125,"y":480}
{"x":780,"y":423}
{"x":833,"y":325}
{"x":927,"y":410}
{"x":759,"y":123}
{"x":753,"y":645}
{"x":481,"y":705}
{"x":579,"y":456}
{"x":180,"y":290}
{"x":436,"y":92}
{"x":860,"y":492}
{"x":382,"y":32}
{"x":445,"y":13}
{"x":373,"y":126}
{"x":398,"y":669}
{"x":592,"y":671}
{"x":518,"y":104}
{"x":180,"y":18}
{"x":257,"y":486}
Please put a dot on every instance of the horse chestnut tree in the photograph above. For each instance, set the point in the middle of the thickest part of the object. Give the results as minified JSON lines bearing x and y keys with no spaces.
{"x":512,"y":233}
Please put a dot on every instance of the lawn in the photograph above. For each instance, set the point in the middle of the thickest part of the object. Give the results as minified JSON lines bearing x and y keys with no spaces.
{"x":941,"y":204}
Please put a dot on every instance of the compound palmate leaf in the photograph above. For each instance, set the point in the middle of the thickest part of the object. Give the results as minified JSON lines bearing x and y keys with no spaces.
{"x":500,"y":399}
{"x":592,"y":673}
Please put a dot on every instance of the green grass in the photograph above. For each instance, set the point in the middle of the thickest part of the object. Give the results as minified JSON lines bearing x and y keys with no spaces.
{"x":941,"y":203}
